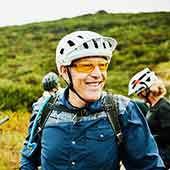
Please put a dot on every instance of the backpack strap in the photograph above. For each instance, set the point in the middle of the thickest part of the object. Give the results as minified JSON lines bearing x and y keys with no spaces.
{"x":46,"y":112}
{"x":111,"y":108}
{"x":50,"y":106}
{"x":31,"y":146}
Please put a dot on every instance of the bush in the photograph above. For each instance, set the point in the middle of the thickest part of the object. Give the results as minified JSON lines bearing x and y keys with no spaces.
{"x":17,"y":96}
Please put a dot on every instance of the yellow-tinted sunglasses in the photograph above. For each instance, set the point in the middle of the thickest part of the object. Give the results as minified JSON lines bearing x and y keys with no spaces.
{"x":88,"y":67}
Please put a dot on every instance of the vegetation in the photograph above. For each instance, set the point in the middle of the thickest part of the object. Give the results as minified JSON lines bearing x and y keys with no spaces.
{"x":27,"y":52}
{"x":12,"y":135}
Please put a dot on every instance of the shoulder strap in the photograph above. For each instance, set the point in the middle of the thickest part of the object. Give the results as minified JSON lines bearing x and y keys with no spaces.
{"x":111,"y":107}
{"x":46,"y":112}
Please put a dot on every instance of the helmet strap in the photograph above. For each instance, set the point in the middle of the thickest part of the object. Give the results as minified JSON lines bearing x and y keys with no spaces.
{"x":146,"y":96}
{"x":70,"y":86}
{"x":147,"y":92}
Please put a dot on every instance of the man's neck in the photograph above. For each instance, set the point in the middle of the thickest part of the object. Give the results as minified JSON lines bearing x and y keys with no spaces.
{"x":75,"y":100}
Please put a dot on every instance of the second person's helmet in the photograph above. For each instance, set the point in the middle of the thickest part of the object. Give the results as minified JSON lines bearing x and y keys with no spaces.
{"x":142,"y":80}
{"x":50,"y":81}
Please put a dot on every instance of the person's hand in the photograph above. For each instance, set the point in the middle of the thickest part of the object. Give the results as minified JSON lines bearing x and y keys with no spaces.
{"x":157,"y":91}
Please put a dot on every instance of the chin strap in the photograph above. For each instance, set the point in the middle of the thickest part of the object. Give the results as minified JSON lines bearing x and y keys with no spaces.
{"x":147,"y":96}
{"x":147,"y":92}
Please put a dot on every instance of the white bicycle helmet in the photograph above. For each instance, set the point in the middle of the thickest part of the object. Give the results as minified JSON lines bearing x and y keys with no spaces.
{"x":82,"y":44}
{"x":142,"y":80}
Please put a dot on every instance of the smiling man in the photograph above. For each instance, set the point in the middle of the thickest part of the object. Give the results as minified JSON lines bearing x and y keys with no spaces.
{"x":89,"y":75}
{"x":80,"y":136}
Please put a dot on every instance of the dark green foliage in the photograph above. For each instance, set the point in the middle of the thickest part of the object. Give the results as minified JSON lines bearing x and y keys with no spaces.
{"x":17,"y":96}
{"x":27,"y":52}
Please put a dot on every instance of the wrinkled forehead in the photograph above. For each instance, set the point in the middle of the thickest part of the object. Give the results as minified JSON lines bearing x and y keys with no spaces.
{"x":91,"y":59}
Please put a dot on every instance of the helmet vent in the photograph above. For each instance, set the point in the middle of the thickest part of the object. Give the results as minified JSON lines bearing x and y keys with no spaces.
{"x":110,"y":44}
{"x":71,"y":43}
{"x":148,"y":79}
{"x":62,"y":51}
{"x":104,"y":45}
{"x":85,"y":45}
{"x":80,"y":36}
{"x":95,"y":43}
{"x":135,"y":82}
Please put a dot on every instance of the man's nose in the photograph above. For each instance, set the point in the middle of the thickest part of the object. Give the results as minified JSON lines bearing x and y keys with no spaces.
{"x":96,"y":70}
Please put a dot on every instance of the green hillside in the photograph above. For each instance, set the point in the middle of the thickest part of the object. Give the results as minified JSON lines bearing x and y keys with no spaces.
{"x":27,"y":52}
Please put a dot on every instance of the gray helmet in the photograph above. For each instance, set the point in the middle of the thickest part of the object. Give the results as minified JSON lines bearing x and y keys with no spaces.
{"x":50,"y":81}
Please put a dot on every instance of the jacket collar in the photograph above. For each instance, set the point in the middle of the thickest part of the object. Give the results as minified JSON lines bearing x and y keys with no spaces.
{"x":91,"y":107}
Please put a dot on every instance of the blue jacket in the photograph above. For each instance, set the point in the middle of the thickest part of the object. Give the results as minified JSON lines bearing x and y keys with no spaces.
{"x":87,"y":142}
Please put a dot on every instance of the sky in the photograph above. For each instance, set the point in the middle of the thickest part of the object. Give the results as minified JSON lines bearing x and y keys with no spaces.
{"x":19,"y":12}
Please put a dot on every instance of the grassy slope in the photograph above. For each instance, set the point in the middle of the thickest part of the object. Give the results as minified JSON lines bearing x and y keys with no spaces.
{"x":27,"y":52}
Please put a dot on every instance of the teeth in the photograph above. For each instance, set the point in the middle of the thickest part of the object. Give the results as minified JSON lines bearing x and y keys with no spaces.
{"x":93,"y":84}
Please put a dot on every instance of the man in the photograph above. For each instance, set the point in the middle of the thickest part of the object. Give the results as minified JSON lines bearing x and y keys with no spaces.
{"x":152,"y":90}
{"x":81,"y":137}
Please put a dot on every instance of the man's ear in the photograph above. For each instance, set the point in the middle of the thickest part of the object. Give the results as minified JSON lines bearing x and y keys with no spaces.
{"x":64,"y":73}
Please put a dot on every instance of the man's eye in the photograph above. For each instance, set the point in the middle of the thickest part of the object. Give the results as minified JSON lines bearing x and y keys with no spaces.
{"x":102,"y":64}
{"x":86,"y":65}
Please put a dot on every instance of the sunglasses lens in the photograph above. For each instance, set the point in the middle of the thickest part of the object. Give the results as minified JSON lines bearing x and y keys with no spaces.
{"x":84,"y":67}
{"x":103,"y":66}
{"x":89,"y":67}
